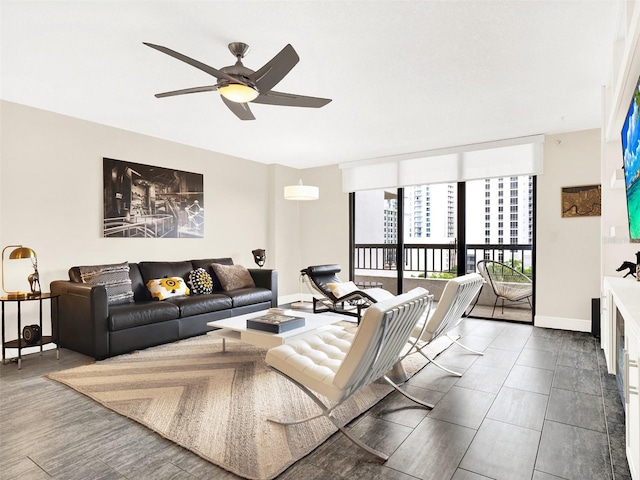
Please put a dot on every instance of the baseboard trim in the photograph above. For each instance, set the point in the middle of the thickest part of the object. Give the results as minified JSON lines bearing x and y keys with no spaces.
{"x":296,"y":297}
{"x":561,"y":323}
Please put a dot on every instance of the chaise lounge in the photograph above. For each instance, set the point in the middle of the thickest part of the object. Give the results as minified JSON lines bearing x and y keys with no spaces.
{"x":337,"y":296}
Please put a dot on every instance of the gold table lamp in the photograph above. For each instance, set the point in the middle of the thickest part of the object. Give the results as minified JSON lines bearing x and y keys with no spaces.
{"x":18,"y":253}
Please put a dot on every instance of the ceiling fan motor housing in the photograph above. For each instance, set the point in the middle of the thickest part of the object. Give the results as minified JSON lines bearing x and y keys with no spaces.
{"x":240,"y":71}
{"x":238,"y":49}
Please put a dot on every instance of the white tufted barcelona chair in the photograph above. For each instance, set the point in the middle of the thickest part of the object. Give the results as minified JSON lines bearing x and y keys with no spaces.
{"x":336,"y":363}
{"x":456,"y":297}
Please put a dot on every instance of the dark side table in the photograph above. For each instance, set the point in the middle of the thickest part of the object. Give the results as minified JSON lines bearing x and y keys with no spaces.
{"x":20,"y":343}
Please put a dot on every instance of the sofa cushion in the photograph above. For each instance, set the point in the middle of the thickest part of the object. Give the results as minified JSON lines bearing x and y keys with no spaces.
{"x":152,"y":270}
{"x":233,"y":277}
{"x":163,"y":288}
{"x":114,"y":277}
{"x":198,"y":304}
{"x":200,"y":282}
{"x":140,"y":291}
{"x":249,"y":296}
{"x":141,"y":313}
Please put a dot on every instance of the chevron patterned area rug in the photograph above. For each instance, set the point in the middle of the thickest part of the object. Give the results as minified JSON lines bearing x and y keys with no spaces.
{"x":215,"y":404}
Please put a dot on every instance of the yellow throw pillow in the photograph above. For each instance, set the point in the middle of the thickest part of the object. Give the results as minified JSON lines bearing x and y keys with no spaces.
{"x":163,"y":288}
{"x":342,"y":288}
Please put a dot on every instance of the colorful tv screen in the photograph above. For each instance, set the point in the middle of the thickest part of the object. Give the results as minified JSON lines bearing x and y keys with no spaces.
{"x":631,"y":161}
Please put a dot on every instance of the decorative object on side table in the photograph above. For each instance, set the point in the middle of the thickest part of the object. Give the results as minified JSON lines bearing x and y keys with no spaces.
{"x":275,"y":322}
{"x":31,"y":334}
{"x":633,"y":269}
{"x":630,"y":266}
{"x":259,"y":256}
{"x":19,"y":253}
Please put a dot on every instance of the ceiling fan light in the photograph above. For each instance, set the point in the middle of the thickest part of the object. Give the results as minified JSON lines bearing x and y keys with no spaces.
{"x":238,"y":93}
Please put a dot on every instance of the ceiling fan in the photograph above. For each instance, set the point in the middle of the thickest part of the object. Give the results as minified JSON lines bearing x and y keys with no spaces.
{"x":239,"y":85}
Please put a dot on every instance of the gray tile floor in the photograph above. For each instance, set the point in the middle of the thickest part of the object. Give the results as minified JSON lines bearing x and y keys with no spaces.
{"x":538,"y":405}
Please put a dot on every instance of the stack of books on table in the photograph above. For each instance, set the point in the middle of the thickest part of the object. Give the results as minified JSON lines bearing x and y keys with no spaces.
{"x":275,"y":322}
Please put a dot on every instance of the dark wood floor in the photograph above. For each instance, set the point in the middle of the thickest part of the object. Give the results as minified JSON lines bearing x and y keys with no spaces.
{"x":538,"y":405}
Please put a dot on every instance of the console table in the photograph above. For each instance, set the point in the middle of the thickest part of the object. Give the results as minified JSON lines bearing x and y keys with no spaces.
{"x":20,"y":343}
{"x":620,"y":339}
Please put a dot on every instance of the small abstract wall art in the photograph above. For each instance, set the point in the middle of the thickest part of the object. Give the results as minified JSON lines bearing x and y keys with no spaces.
{"x":151,"y":202}
{"x":582,"y":201}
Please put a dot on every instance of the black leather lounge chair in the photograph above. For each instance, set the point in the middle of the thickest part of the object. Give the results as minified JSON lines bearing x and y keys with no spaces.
{"x":351,"y":301}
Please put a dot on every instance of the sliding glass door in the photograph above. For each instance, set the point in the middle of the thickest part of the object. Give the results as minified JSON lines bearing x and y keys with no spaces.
{"x":500,"y":231}
{"x":440,"y":231}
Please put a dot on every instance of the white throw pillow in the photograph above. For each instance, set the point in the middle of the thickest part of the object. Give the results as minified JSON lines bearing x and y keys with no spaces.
{"x":342,"y":288}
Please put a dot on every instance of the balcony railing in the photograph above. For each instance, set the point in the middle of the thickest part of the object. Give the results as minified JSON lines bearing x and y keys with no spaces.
{"x":437,"y":258}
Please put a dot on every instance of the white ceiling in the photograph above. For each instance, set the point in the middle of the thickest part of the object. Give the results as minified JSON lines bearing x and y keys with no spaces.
{"x":404,"y":76}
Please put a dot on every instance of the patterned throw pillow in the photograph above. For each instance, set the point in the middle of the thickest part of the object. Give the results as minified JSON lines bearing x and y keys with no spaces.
{"x":200,"y":282}
{"x":233,"y":276}
{"x":114,"y":277}
{"x":163,"y":288}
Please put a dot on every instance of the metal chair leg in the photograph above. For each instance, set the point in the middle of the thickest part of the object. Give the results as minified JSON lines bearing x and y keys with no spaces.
{"x":327,"y":412}
{"x":464,"y":346}
{"x":408,"y":395}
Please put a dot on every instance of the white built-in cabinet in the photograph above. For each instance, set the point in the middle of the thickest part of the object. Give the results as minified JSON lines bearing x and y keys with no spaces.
{"x":621,"y":296}
{"x":632,"y":399}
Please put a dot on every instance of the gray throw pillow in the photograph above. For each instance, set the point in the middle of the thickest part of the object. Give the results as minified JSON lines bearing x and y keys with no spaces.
{"x":233,"y":277}
{"x":114,"y":277}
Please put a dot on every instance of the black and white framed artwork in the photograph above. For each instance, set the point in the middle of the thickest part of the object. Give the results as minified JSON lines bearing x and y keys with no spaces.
{"x":151,"y":202}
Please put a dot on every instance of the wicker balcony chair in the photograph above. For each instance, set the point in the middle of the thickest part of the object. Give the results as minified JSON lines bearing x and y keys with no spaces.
{"x":506,"y":282}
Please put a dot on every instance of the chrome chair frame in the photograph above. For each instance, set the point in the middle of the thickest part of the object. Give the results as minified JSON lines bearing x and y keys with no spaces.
{"x":456,"y":297}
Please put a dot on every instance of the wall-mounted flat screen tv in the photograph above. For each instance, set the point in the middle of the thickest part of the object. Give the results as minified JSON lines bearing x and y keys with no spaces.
{"x":631,"y":162}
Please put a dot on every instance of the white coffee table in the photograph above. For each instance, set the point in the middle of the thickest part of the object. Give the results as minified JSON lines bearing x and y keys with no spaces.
{"x":236,"y":328}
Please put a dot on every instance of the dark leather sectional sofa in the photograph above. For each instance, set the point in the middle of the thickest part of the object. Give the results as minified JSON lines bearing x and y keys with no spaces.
{"x":86,"y":323}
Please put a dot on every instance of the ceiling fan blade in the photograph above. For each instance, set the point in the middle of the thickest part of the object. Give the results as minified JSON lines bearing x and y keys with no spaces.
{"x":275,"y":69}
{"x":208,"y":88}
{"x":291,"y":100}
{"x":241,"y":110}
{"x":195,"y":63}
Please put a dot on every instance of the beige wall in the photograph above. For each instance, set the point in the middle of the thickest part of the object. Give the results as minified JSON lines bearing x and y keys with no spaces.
{"x":308,"y":232}
{"x":51,"y":200}
{"x":567,"y":272}
{"x":616,"y":246}
{"x":52,"y":193}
